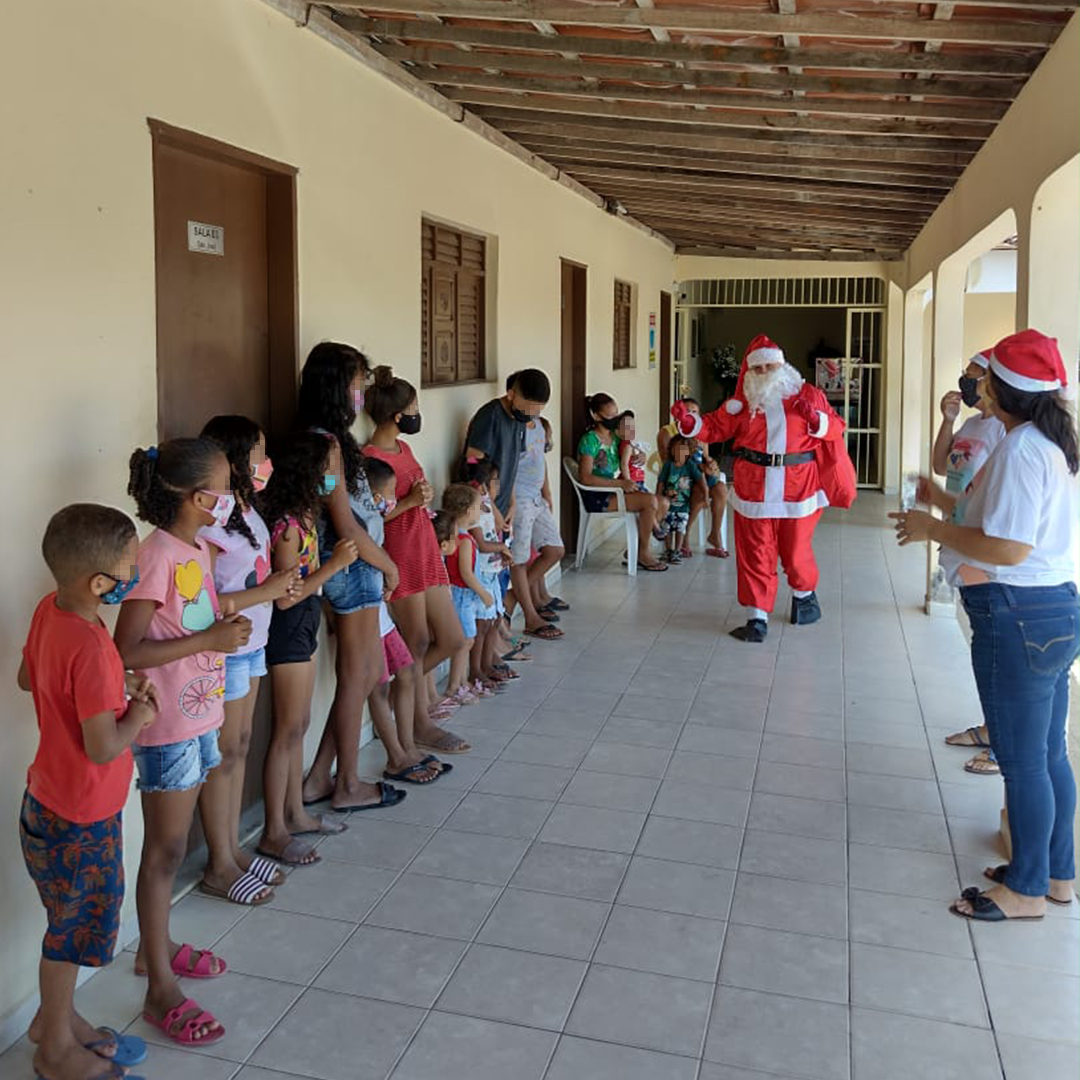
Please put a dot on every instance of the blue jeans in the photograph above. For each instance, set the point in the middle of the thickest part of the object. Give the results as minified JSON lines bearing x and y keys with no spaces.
{"x":1023,"y":642}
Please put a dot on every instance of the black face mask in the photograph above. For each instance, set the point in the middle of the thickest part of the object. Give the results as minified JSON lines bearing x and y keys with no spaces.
{"x":612,"y":423}
{"x":409,"y":424}
{"x":521,"y":417}
{"x":969,"y":391}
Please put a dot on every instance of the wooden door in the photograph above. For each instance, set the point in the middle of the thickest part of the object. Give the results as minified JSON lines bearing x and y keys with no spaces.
{"x":572,"y":406}
{"x":665,"y":358}
{"x":224,"y":228}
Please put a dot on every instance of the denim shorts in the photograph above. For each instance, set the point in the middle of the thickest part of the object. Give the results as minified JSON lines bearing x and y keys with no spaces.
{"x":467,"y":606}
{"x":177,"y":766}
{"x":355,"y":588}
{"x":240,"y":670}
{"x":491,"y":583}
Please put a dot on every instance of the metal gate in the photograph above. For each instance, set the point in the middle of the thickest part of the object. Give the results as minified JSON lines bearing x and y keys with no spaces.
{"x":862,"y":404}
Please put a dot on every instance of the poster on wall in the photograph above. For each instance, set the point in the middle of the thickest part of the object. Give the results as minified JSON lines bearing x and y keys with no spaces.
{"x":652,"y":340}
{"x":829,"y":376}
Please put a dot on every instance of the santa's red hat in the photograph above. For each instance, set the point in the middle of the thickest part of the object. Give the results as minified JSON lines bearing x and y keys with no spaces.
{"x":1029,"y":361}
{"x":762,"y":350}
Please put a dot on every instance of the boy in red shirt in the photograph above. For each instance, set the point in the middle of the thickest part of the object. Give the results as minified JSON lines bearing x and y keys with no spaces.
{"x":88,"y":713}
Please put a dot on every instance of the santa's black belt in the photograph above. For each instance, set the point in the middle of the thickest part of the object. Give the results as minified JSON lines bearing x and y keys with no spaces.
{"x":773,"y":461}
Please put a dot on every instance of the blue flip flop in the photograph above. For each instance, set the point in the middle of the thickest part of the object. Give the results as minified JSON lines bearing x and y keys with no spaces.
{"x":130,"y":1049}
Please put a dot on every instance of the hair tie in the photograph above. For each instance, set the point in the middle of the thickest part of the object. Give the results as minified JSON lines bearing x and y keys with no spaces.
{"x":152,"y":453}
{"x":471,"y":460}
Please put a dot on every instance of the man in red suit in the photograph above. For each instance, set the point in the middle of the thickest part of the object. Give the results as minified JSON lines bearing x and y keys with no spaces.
{"x":777,"y":422}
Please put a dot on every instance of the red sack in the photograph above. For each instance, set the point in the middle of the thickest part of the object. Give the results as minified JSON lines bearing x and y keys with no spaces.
{"x":836,"y":473}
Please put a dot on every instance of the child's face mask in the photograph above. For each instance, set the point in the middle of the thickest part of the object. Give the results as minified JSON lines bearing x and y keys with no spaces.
{"x":329,"y":482}
{"x":260,"y":474}
{"x":222,"y":509}
{"x":385,"y":506}
{"x":117,"y":593}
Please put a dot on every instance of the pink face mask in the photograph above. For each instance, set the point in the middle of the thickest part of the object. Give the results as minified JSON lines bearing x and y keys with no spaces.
{"x":358,"y":401}
{"x":222,"y":508}
{"x":261,"y":474}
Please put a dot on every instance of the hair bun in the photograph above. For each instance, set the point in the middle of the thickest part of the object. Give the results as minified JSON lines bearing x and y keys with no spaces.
{"x":384,"y":376}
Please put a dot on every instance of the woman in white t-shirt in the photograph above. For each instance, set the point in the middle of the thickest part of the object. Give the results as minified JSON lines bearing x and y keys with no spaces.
{"x":1013,"y":561}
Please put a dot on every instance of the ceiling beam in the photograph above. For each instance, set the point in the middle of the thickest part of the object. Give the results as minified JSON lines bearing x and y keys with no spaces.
{"x":744,"y":210}
{"x":730,"y":118}
{"x":447,"y":54}
{"x":736,"y":55}
{"x":718,"y":251}
{"x":737,"y":232}
{"x":981,"y":115}
{"x":727,"y":20}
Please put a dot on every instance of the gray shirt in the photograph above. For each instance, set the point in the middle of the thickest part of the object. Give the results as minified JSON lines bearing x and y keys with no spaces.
{"x":502,"y":439}
{"x":532,"y":468}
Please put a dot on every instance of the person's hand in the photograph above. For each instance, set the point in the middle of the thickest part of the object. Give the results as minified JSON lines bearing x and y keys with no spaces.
{"x":142,"y":711}
{"x":627,"y":485}
{"x":950,"y":405}
{"x":344,"y":554}
{"x":391,"y":579}
{"x":486,"y":598}
{"x":913,"y":526}
{"x":229,"y":633}
{"x":929,"y":494}
{"x":804,"y":407}
{"x":504,"y":554}
{"x":508,"y":517}
{"x":637,"y":457}
{"x":141,"y":689}
{"x":427,"y":492}
{"x":283,"y":583}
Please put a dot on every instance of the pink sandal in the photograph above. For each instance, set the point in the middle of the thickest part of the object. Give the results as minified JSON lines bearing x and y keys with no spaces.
{"x":185,"y":1033}
{"x":203,"y":969}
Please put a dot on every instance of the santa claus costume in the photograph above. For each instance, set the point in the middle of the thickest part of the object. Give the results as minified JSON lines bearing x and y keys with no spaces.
{"x":779,"y":424}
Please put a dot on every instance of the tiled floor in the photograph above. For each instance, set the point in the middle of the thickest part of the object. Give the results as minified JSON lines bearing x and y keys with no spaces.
{"x":670,"y":856}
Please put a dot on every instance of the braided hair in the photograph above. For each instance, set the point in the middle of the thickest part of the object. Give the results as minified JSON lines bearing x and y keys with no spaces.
{"x":236,"y":435}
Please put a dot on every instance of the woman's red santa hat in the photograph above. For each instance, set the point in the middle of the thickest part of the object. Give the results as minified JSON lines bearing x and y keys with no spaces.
{"x":1029,"y":361}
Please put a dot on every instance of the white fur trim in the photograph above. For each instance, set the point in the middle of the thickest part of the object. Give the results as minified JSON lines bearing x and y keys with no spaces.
{"x":765,"y":356}
{"x":823,"y":426}
{"x":981,"y":359}
{"x":697,"y":426}
{"x":786,"y":510}
{"x":733,"y":406}
{"x":1022,"y":382}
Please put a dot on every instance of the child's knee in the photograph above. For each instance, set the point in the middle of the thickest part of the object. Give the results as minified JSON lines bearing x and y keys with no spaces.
{"x":163,"y":858}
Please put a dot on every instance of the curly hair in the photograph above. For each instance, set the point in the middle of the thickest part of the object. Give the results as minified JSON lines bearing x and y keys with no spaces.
{"x":325,"y":400}
{"x":445,"y":525}
{"x":388,"y":396}
{"x":162,"y":477}
{"x":295,"y":486}
{"x":236,"y":435}
{"x":458,"y":499}
{"x":85,"y":538}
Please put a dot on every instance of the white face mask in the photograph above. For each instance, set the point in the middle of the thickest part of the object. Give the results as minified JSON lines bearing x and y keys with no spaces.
{"x":222,"y":508}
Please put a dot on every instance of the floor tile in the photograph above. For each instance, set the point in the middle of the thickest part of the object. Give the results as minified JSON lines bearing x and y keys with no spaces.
{"x":635,"y":732}
{"x":1033,"y":1003}
{"x":890,"y":761}
{"x":888,"y":1046}
{"x":918,"y":983}
{"x":776,"y":904}
{"x":387,"y":844}
{"x":199,"y":918}
{"x":431,"y":905}
{"x":800,"y":781}
{"x":486,"y":742}
{"x":490,"y":860}
{"x":677,"y":887}
{"x":391,"y":965}
{"x":527,"y":781}
{"x":800,"y":858}
{"x":282,"y":944}
{"x":797,"y":750}
{"x":499,"y":815}
{"x":770,"y":1032}
{"x":463,"y":1048}
{"x":545,"y":750}
{"x":571,"y":871}
{"x":559,"y":724}
{"x":702,"y":802}
{"x":655,"y":1012}
{"x":797,"y":964}
{"x":1051,"y":945}
{"x":696,"y":739}
{"x":782,"y":720}
{"x":661,"y":942}
{"x":545,"y":923}
{"x":799,"y":817}
{"x":626,"y":760}
{"x":711,"y":1071}
{"x":699,"y":842}
{"x":724,"y":771}
{"x":332,"y":890}
{"x":593,"y":827}
{"x":426,"y":806}
{"x":879,"y":827}
{"x":894,"y":793}
{"x":908,"y":922}
{"x":884,"y":735}
{"x":330,"y":1037}
{"x":611,"y":791}
{"x":1033,"y":1059}
{"x":981,"y":801}
{"x":586,"y":1059}
{"x":646,"y":707}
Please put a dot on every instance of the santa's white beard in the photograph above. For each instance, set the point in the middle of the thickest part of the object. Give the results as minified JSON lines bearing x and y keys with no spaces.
{"x":766,"y":388}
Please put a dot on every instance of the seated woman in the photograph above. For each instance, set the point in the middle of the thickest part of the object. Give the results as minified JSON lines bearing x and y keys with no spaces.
{"x":598,"y":466}
{"x":717,"y":489}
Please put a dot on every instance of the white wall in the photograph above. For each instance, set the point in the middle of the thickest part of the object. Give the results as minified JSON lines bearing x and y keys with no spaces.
{"x":77,"y":84}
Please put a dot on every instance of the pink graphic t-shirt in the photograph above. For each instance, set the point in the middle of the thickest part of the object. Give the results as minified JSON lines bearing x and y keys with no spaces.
{"x":177,"y":577}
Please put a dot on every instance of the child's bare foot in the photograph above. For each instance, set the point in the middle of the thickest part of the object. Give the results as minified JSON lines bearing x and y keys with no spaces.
{"x":85,"y":1033}
{"x":217,"y":965}
{"x":72,"y":1062}
{"x":158,"y":1007}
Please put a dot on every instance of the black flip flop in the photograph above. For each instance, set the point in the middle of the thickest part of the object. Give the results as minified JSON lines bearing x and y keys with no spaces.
{"x":389,"y":796}
{"x":547,"y":632}
{"x":997,"y":875}
{"x":556,"y":603}
{"x":653,"y":568}
{"x":406,"y":776}
{"x":983,"y":909}
{"x":977,"y":741}
{"x":547,"y":614}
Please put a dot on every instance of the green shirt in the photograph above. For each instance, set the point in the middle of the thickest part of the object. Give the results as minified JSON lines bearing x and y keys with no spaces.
{"x":605,"y":458}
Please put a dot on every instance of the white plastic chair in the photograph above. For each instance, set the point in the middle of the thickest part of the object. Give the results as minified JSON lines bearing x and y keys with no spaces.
{"x":630,"y":518}
{"x":704,"y":515}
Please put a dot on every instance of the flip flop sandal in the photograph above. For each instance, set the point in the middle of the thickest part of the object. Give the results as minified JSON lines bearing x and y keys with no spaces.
{"x":977,"y":741}
{"x":447,"y":743}
{"x":981,"y":765}
{"x":556,"y":603}
{"x":686,"y":553}
{"x":174,"y":1026}
{"x":547,"y":632}
{"x":653,"y":568}
{"x":203,"y":969}
{"x":328,"y":826}
{"x":547,"y":614}
{"x":388,"y":796}
{"x":983,"y":909}
{"x":505,"y":671}
{"x":444,"y":766}
{"x":718,"y":553}
{"x":266,"y":871}
{"x":247,"y":890}
{"x":406,"y":776}
{"x":295,"y":853}
{"x":129,"y":1049}
{"x":997,"y":875}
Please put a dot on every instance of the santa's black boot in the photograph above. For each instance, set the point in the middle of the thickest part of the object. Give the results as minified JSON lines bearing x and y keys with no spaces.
{"x":805,"y":610}
{"x":754,"y":630}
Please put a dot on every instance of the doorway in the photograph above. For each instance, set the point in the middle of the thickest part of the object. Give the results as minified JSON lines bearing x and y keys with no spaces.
{"x":572,"y":383}
{"x":665,"y":358}
{"x":225,"y":270}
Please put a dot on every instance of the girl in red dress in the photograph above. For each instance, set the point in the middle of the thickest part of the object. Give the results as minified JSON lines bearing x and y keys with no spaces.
{"x":421,"y":604}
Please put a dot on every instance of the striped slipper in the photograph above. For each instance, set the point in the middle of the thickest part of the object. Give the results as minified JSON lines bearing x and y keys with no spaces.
{"x":247,"y":890}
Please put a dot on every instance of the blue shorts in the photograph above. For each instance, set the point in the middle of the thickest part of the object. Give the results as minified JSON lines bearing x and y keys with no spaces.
{"x":356,"y":588}
{"x":177,"y":766}
{"x":240,"y":670}
{"x":491,"y":583}
{"x":467,"y":605}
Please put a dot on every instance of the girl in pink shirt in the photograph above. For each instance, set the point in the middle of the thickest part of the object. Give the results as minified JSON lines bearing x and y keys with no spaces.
{"x":171,"y":623}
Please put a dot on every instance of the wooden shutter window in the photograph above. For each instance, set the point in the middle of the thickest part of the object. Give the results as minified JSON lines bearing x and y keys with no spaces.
{"x":621,"y":336}
{"x":452,"y":290}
